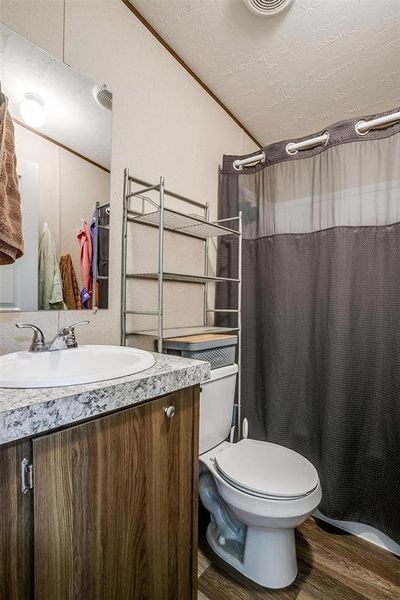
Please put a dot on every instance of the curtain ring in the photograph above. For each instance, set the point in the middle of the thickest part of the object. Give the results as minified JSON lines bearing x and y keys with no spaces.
{"x":361,"y":124}
{"x":250,"y":161}
{"x":237,"y":165}
{"x":291,"y":148}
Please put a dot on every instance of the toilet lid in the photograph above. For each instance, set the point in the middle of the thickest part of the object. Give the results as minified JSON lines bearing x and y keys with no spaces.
{"x":267,"y":469}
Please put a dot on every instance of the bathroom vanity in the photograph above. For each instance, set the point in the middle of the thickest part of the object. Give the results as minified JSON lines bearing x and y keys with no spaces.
{"x":98,"y":494}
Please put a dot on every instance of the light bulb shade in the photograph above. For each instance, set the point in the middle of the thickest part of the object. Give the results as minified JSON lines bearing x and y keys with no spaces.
{"x":33,"y":110}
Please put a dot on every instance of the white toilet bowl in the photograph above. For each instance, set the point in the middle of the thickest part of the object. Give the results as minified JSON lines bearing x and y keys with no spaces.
{"x":256,"y":492}
{"x":275,"y":495}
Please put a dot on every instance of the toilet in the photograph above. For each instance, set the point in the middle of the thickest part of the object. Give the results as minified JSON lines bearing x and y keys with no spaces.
{"x":257,"y":493}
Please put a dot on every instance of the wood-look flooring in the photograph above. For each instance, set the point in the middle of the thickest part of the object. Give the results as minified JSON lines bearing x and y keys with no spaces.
{"x":333,"y":565}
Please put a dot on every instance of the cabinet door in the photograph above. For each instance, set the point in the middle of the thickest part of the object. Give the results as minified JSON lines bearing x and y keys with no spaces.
{"x":113,"y":504}
{"x":15,"y":525}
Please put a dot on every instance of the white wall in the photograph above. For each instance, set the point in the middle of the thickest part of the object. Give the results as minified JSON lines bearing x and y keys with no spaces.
{"x":69,"y":188}
{"x":81,"y":186}
{"x":32,"y":147}
{"x":163,"y":123}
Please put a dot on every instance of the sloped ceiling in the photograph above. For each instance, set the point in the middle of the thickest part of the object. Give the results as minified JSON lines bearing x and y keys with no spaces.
{"x":286,"y":76}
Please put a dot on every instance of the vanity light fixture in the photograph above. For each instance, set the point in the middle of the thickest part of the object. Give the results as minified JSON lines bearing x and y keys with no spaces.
{"x":33,"y":110}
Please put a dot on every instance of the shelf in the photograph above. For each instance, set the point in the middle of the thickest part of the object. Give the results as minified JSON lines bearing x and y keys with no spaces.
{"x":182,"y":277}
{"x":180,"y":223}
{"x":184,"y":331}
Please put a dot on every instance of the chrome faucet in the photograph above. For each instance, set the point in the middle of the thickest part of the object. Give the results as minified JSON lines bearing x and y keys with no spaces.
{"x":65,"y":338}
{"x":38,"y":342}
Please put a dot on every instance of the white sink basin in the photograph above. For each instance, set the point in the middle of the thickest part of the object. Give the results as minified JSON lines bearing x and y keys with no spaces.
{"x":86,"y":364}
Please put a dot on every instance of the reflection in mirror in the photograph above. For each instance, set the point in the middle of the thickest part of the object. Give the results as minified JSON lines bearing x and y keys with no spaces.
{"x":55,"y":134}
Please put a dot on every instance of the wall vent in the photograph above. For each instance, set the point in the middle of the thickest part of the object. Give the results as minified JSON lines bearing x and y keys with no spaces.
{"x":267,"y":8}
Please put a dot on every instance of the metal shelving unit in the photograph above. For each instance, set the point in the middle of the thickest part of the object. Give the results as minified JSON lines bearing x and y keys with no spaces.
{"x":95,"y":273}
{"x":199,"y":227}
{"x":181,"y":223}
{"x":183,"y":331}
{"x":181,"y":277}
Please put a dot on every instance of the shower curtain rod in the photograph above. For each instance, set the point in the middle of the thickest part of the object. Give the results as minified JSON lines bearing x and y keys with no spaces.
{"x":361,"y":127}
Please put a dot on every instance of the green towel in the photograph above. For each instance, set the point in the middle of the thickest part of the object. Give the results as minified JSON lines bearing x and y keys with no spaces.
{"x":50,"y":284}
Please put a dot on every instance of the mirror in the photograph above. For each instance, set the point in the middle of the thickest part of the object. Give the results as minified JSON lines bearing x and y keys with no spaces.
{"x":58,"y":124}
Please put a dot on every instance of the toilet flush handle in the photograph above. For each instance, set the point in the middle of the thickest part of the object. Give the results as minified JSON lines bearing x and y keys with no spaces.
{"x":169,"y":412}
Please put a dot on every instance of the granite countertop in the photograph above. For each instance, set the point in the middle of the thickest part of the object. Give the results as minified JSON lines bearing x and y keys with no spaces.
{"x":27,"y":412}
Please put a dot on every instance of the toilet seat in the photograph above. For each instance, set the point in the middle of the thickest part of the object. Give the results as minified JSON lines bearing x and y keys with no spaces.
{"x":266,"y":470}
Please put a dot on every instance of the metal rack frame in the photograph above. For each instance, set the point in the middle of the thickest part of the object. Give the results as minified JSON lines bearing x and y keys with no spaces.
{"x":166,"y":219}
{"x":95,"y":274}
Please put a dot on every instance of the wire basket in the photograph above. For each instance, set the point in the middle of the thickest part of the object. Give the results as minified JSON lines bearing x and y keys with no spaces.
{"x":218,"y":352}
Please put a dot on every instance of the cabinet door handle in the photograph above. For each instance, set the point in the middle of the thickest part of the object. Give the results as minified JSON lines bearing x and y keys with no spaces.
{"x":169,"y":412}
{"x":26,"y":476}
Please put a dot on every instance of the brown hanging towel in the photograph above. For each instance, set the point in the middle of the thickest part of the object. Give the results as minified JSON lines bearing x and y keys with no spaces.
{"x":72,"y":297}
{"x":11,"y":237}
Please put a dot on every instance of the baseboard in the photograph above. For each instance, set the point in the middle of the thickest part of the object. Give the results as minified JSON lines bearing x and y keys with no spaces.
{"x":365,"y":532}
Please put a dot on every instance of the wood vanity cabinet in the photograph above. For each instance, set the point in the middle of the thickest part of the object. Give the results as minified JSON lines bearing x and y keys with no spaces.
{"x":113,"y":510}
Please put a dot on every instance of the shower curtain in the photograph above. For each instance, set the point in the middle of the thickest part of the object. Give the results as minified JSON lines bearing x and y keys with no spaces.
{"x":321,"y":311}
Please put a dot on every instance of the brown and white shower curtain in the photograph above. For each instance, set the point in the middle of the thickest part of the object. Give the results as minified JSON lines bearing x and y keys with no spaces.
{"x":321,"y":311}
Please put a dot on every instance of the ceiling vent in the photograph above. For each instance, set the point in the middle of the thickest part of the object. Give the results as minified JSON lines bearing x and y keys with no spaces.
{"x":103,"y":96}
{"x":267,"y":8}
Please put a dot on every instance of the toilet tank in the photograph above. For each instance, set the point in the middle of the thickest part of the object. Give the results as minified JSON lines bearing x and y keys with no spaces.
{"x":216,"y":405}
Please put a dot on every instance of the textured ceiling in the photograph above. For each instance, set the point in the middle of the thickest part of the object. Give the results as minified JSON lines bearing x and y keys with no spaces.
{"x":286,"y":76}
